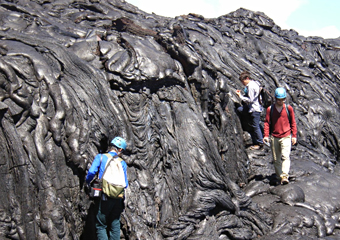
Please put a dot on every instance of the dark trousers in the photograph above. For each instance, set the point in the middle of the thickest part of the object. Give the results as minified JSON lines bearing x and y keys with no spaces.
{"x":256,"y":133}
{"x":108,"y":216}
{"x":251,"y":124}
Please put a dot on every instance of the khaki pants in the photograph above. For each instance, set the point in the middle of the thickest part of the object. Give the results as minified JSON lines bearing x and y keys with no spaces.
{"x":281,"y":155}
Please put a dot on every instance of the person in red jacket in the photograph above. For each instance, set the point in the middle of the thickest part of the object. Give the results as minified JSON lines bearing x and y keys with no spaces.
{"x":281,"y":125}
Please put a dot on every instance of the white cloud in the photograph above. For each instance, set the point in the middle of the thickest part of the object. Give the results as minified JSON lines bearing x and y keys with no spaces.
{"x":326,"y":32}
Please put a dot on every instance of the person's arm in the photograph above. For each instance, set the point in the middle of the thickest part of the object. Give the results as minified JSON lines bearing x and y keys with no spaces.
{"x":246,"y":99}
{"x":267,"y":126}
{"x":253,"y":92}
{"x":124,"y":165}
{"x":293,"y":124}
{"x":93,"y":169}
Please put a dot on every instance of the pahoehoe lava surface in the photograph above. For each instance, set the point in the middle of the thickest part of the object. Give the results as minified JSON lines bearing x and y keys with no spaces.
{"x":74,"y":74}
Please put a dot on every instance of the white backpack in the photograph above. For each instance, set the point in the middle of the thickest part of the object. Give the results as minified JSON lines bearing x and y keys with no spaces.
{"x":113,"y":179}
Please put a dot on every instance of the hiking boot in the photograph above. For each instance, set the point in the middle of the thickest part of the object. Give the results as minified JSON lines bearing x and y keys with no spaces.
{"x":254,"y":147}
{"x":284,"y":180}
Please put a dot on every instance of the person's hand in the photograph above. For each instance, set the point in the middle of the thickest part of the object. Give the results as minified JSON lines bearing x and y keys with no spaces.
{"x":266,"y":140}
{"x":238,"y":92}
{"x":293,"y":141}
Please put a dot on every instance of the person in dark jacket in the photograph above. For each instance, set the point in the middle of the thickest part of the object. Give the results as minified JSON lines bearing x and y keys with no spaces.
{"x":109,"y":209}
{"x":281,"y":125}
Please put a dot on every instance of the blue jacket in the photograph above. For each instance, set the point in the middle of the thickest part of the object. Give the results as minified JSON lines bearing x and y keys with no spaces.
{"x":96,"y":165}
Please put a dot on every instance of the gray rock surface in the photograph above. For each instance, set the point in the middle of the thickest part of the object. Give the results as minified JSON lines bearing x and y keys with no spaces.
{"x":74,"y":74}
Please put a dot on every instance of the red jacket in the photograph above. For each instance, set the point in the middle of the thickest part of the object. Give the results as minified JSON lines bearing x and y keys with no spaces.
{"x":280,"y":126}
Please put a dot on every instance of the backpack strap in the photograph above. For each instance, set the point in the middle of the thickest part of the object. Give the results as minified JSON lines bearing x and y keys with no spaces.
{"x":260,"y":95}
{"x":110,"y":158}
{"x":288,"y":114}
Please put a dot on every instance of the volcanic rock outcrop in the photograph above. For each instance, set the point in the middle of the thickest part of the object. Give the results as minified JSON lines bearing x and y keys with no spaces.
{"x":75,"y":74}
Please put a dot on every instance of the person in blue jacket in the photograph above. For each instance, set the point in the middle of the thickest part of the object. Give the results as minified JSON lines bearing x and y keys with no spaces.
{"x":109,"y":209}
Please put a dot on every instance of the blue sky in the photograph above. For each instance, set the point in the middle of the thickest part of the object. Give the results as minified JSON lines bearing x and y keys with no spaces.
{"x":307,"y":17}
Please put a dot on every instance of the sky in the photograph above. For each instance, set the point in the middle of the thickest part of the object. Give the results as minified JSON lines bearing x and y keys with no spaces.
{"x":307,"y":17}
